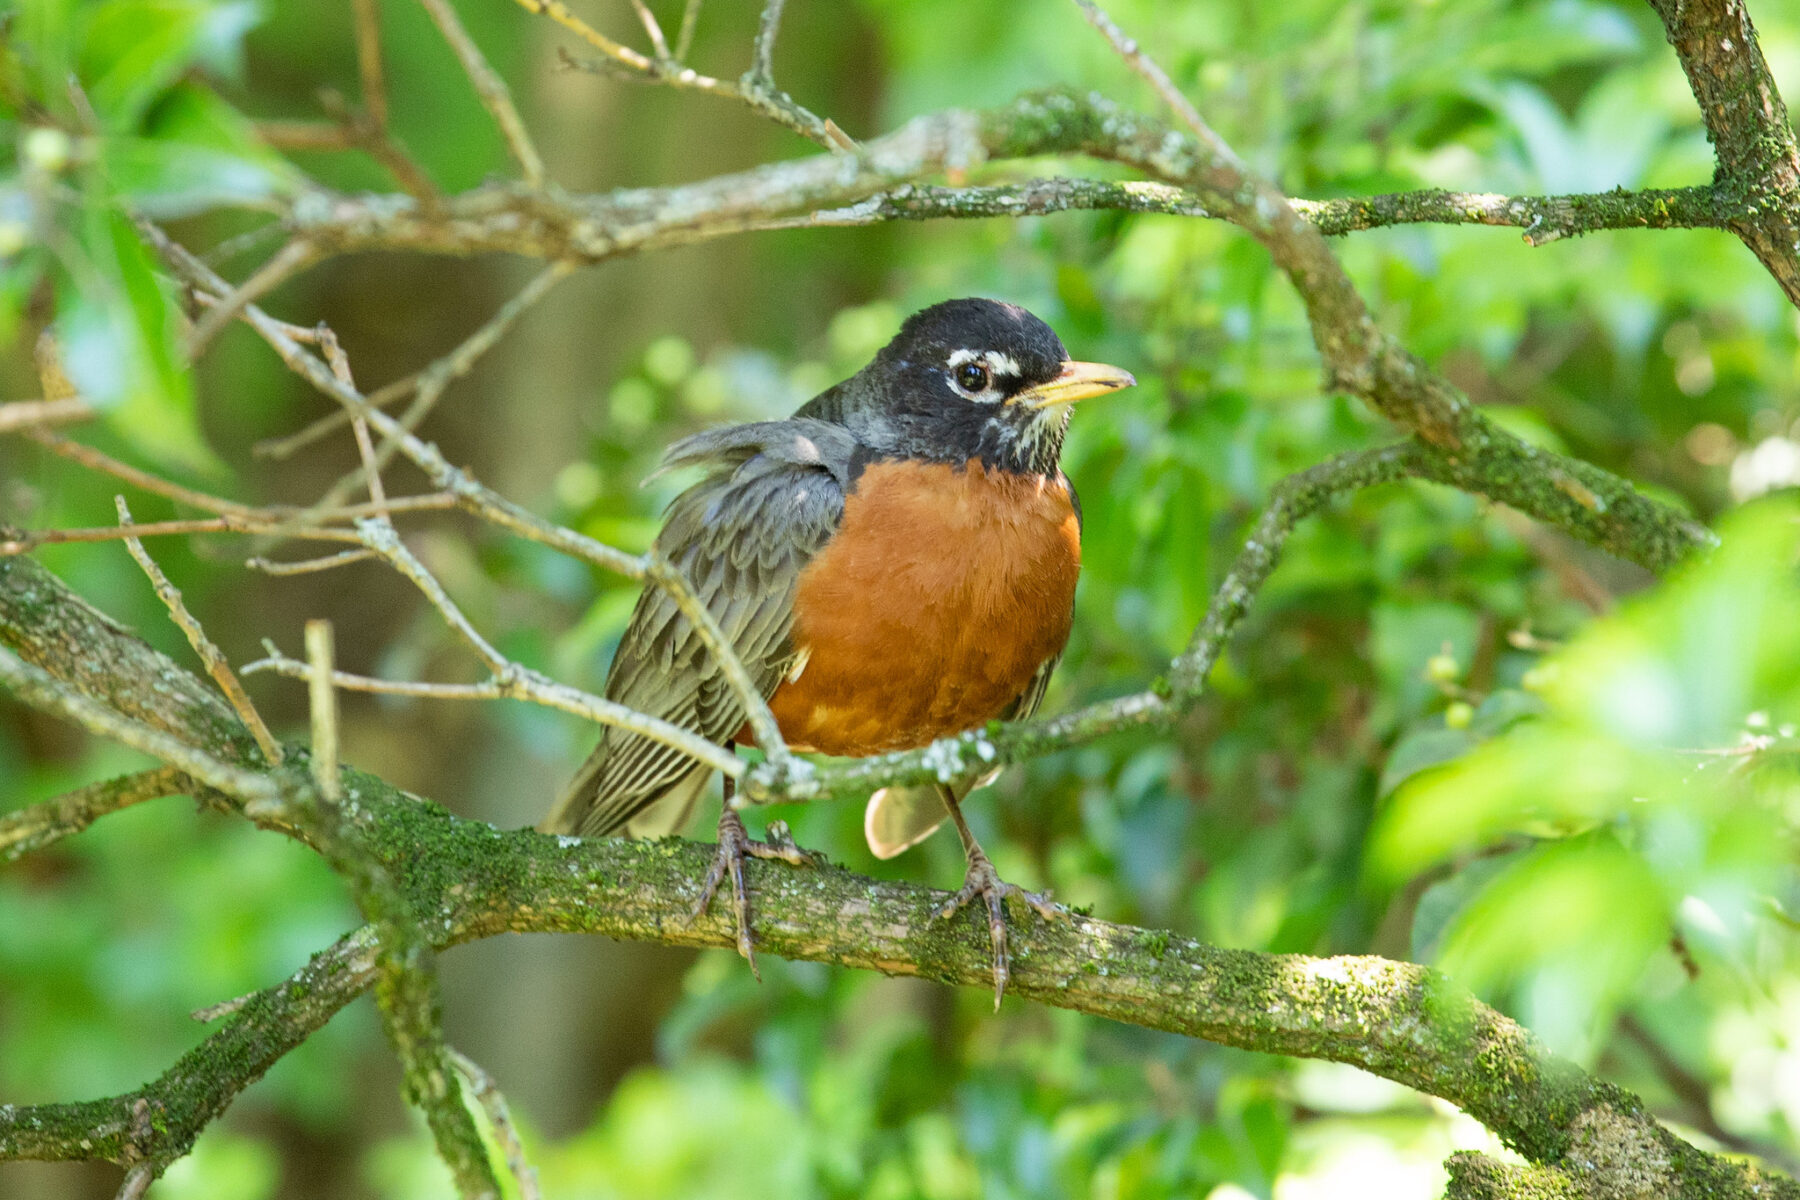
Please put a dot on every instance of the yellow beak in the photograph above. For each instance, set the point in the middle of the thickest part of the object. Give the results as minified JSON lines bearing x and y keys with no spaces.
{"x":1078,"y":381}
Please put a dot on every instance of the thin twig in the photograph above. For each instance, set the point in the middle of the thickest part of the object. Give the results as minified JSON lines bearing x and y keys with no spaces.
{"x":521,"y":684}
{"x":224,"y":524}
{"x":322,"y":702}
{"x":137,"y":1182}
{"x":210,"y":656}
{"x":95,"y":460}
{"x":494,"y":508}
{"x":619,"y":53}
{"x":41,"y":690}
{"x":433,"y":379}
{"x":487,"y":1093}
{"x":31,"y":829}
{"x":381,"y":537}
{"x":358,"y":131}
{"x":32,"y":414}
{"x":491,"y":88}
{"x":652,"y":27}
{"x":368,"y":62}
{"x":690,"y":21}
{"x":296,"y":256}
{"x":762,"y":61}
{"x":308,"y":566}
{"x":365,"y":449}
{"x":756,"y":91}
{"x":1144,"y":65}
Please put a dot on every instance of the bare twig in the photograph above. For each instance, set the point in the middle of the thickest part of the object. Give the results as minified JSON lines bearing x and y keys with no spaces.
{"x":380,"y":537}
{"x":754,"y":90}
{"x":308,"y":566}
{"x":34,"y":414}
{"x":322,"y":701}
{"x":371,"y":469}
{"x":1144,"y":65}
{"x":210,"y":656}
{"x":498,"y":510}
{"x":648,"y":20}
{"x":225,"y":524}
{"x":768,"y":27}
{"x":690,"y":21}
{"x":358,"y":130}
{"x":42,"y":690}
{"x":296,"y":256}
{"x":368,"y":61}
{"x":95,"y":460}
{"x":491,"y":88}
{"x":429,"y":383}
{"x":31,"y":829}
{"x":487,"y":1093}
{"x":137,"y":1182}
{"x":521,"y":683}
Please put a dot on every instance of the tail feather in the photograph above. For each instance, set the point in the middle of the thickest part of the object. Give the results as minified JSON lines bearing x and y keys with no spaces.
{"x":576,"y":812}
{"x":899,"y":818}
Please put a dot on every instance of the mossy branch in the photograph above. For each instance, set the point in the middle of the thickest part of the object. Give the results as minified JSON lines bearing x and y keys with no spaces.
{"x":460,"y":880}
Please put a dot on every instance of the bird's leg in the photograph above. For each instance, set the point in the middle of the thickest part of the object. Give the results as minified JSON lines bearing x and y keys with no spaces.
{"x":982,"y":880}
{"x":734,"y":847}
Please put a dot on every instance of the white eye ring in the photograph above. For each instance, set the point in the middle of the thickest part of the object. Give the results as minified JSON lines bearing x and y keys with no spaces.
{"x":972,"y":373}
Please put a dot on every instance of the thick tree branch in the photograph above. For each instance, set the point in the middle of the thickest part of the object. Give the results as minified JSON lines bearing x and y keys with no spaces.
{"x":1747,"y":122}
{"x":461,"y":880}
{"x":468,"y":880}
{"x":592,"y":228}
{"x":1543,"y":218}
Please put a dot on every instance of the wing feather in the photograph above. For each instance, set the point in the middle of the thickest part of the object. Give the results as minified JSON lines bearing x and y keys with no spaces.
{"x":742,"y":536}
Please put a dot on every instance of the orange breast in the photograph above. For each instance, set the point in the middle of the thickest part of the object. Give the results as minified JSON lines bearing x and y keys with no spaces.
{"x":942,"y":593}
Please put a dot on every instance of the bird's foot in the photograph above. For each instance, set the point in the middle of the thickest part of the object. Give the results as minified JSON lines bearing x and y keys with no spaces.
{"x":983,"y":881}
{"x":734,"y":847}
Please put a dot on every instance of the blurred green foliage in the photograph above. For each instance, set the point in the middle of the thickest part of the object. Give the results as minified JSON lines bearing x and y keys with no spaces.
{"x":1424,"y":742}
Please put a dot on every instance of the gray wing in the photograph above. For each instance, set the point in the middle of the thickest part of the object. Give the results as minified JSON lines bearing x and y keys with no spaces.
{"x":742,"y":535}
{"x":899,"y":818}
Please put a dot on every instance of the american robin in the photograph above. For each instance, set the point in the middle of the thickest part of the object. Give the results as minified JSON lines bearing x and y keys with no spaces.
{"x":894,"y":563}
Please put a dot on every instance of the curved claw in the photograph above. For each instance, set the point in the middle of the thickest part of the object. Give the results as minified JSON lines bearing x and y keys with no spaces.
{"x":734,"y":847}
{"x":983,"y":881}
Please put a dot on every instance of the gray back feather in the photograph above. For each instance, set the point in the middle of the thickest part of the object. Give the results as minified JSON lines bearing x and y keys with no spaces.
{"x":772,"y":498}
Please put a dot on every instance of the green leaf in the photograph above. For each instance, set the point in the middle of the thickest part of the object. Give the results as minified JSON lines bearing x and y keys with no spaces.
{"x":1577,"y":921}
{"x":133,"y":50}
{"x":171,"y":179}
{"x":117,"y":330}
{"x":1541,"y":778}
{"x":1421,"y":750}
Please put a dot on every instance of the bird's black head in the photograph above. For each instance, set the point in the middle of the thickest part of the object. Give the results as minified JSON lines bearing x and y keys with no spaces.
{"x":969,"y":379}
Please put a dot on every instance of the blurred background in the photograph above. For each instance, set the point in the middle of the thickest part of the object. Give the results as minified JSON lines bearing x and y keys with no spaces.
{"x":1444,"y":733}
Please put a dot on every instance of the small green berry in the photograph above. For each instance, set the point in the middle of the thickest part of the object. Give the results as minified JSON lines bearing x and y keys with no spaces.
{"x":47,"y":149}
{"x":1458,"y":715}
{"x":1442,"y":668}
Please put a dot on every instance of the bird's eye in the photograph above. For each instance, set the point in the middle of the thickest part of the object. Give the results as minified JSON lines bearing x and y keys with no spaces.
{"x":972,"y":377}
